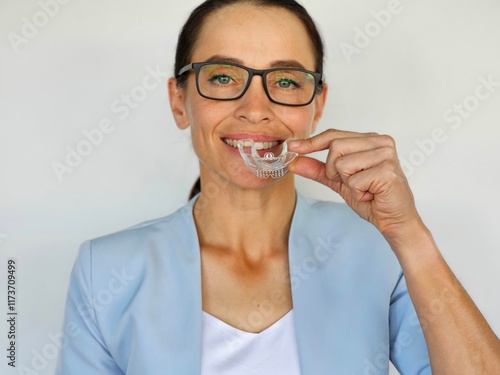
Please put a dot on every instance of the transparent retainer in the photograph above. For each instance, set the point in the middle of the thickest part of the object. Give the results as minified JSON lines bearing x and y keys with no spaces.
{"x":272,"y":164}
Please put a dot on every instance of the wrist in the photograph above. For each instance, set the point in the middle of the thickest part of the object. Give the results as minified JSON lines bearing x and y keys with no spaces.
{"x":414,"y":246}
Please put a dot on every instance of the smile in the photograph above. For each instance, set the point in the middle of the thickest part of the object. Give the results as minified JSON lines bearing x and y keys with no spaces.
{"x":258,"y":145}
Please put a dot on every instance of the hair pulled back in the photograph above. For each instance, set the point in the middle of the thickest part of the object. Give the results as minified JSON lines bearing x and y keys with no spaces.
{"x":192,"y":28}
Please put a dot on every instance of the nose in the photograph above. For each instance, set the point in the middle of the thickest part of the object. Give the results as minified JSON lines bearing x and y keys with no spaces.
{"x":255,"y":107}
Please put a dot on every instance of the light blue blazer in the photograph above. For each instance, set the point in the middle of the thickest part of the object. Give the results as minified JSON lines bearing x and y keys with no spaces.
{"x":134,"y":301}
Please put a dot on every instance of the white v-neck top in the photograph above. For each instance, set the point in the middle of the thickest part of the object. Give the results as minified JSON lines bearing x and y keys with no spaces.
{"x":229,"y":351}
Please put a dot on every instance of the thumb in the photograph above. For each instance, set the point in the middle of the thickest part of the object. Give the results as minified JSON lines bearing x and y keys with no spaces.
{"x":315,"y":170}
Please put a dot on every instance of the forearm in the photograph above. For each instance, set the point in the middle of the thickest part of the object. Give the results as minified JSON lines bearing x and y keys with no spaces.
{"x":458,"y":338}
{"x":364,"y":169}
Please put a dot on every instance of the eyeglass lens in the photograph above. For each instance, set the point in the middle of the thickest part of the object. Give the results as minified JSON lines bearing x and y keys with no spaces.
{"x":223,"y":81}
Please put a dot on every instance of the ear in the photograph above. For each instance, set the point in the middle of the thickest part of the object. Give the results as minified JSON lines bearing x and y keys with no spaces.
{"x":319,"y":101}
{"x":176,"y":98}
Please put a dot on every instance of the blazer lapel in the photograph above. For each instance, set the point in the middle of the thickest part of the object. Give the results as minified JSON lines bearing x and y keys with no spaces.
{"x":309,"y":250}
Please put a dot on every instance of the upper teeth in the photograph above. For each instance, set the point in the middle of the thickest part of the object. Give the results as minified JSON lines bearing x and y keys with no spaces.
{"x":247,"y":143}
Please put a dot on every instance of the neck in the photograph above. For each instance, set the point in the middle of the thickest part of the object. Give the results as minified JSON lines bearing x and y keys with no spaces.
{"x":255,"y":222}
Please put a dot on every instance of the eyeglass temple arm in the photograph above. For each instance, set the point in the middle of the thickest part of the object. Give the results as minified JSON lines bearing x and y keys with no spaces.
{"x":185,"y":69}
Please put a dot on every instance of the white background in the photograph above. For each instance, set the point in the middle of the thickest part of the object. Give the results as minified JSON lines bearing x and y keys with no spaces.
{"x":68,"y":76}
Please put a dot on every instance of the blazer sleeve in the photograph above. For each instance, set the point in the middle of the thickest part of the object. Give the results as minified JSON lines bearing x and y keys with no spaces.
{"x":408,"y":348}
{"x":84,"y":351}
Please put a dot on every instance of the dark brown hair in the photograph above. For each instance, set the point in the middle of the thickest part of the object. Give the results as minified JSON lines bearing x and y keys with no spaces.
{"x":192,"y":28}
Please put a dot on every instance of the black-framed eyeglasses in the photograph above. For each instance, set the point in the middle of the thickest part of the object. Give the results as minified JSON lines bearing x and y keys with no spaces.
{"x":229,"y":81}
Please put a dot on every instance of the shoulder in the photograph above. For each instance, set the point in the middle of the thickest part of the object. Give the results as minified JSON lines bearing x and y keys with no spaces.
{"x":139,"y":250}
{"x":121,"y":278}
{"x":141,"y":238}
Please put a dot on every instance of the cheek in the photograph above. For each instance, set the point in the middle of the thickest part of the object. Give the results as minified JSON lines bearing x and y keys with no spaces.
{"x":204,"y":119}
{"x":300,"y":122}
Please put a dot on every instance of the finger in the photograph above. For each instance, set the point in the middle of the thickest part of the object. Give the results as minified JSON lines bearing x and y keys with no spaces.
{"x":312,"y":169}
{"x":346,"y":146}
{"x":352,"y":163}
{"x":315,"y":170}
{"x":339,"y":170}
{"x":308,"y":167}
{"x":376,"y":181}
{"x":322,"y":141}
{"x":341,"y":148}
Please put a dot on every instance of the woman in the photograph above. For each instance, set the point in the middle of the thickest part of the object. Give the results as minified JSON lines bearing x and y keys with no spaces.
{"x":251,"y":278}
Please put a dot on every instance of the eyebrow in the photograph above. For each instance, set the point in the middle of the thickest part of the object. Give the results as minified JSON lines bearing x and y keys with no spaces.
{"x":274,"y":64}
{"x":287,"y":64}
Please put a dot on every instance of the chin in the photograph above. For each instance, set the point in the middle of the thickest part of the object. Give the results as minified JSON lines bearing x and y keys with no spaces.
{"x":238,"y":175}
{"x":249,"y":180}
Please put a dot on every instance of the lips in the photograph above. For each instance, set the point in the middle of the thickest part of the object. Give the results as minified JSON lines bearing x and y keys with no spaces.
{"x":258,"y":145}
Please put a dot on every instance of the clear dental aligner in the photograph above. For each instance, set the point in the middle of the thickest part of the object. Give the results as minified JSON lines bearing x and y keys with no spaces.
{"x":273,"y":165}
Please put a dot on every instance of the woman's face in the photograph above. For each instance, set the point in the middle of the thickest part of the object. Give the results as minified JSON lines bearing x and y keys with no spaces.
{"x":259,"y":38}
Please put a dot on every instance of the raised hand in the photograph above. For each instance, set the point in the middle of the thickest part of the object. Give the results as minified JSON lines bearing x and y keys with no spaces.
{"x":364,"y":169}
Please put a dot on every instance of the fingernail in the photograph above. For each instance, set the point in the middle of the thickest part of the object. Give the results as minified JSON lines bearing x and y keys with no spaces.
{"x":293,"y":142}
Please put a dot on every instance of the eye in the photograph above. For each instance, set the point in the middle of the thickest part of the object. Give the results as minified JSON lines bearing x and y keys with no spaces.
{"x":286,"y":83}
{"x":285,"y":80}
{"x":220,"y":79}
